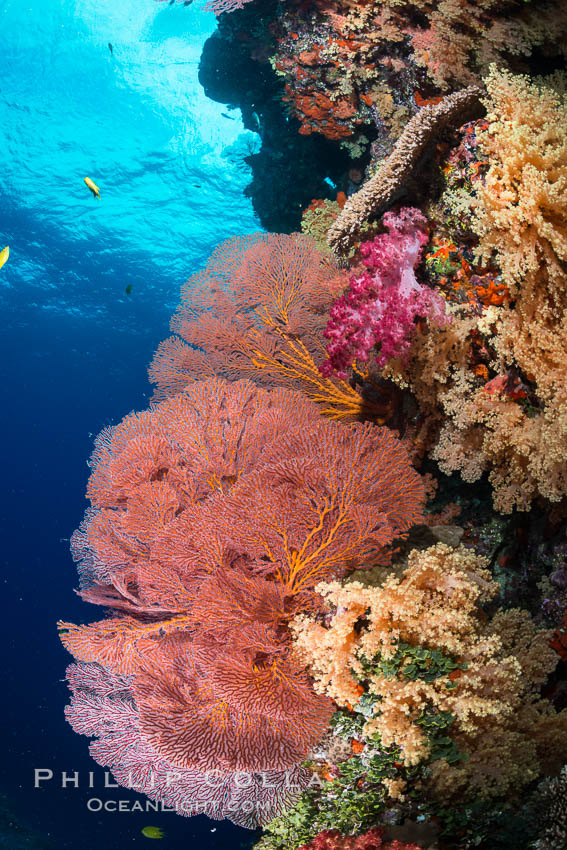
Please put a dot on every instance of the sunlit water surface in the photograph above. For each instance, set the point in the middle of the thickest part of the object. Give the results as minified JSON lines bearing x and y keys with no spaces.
{"x":74,"y":345}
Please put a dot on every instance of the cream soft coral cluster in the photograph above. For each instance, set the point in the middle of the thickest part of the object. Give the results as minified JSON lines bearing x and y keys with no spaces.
{"x":456,"y":40}
{"x":521,"y":221}
{"x":522,"y":215}
{"x":464,"y":36}
{"x":500,"y":723}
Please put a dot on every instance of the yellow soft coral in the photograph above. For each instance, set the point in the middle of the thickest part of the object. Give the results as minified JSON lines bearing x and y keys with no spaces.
{"x":499,"y":721}
{"x":520,"y":216}
{"x":521,"y":220}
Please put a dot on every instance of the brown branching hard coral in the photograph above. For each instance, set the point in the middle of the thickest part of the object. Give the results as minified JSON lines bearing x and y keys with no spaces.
{"x":487,"y":673}
{"x":388,"y":184}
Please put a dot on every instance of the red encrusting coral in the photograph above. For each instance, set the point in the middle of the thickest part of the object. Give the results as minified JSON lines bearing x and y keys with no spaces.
{"x":559,"y":639}
{"x":332,"y":839}
{"x":319,"y":114}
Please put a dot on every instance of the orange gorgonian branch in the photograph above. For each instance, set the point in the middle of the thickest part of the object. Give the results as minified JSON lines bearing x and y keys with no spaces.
{"x":258,"y":311}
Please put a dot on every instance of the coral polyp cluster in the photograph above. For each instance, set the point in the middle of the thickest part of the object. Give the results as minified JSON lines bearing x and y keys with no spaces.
{"x":418,"y":655}
{"x":492,"y":383}
{"x":381,"y":305}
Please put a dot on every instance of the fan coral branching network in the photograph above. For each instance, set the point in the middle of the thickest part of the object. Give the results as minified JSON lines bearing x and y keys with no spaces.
{"x":214,"y":515}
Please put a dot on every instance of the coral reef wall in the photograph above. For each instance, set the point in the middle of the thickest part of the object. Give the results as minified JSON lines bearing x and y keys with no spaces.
{"x":298,"y":634}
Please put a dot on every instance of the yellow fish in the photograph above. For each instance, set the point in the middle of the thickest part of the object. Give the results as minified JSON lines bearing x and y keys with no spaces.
{"x":4,"y":255}
{"x":93,"y":187}
{"x":152,"y":832}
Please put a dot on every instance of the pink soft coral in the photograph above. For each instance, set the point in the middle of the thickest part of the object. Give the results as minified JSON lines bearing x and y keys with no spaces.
{"x":381,"y":305}
{"x":332,"y":839}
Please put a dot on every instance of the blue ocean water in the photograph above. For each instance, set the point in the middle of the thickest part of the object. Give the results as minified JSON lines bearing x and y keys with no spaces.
{"x":75,"y":345}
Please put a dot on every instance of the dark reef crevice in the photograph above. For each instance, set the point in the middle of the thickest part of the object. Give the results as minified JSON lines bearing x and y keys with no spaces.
{"x":290,"y":169}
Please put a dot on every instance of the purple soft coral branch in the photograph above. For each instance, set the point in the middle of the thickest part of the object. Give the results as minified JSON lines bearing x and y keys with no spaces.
{"x":381,"y":305}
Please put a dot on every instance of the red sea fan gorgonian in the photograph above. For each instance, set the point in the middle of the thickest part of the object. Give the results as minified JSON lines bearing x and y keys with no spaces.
{"x":256,"y":293}
{"x":381,"y":305}
{"x":257,"y":311}
{"x":214,"y":515}
{"x":102,"y":705}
